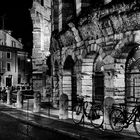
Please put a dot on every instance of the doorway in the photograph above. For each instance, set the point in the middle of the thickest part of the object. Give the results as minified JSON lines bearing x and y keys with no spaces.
{"x":8,"y":81}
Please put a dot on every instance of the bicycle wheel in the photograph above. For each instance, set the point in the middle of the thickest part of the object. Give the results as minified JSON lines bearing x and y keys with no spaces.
{"x":77,"y":114}
{"x":97,"y":116}
{"x":137,"y":124}
{"x":117,"y":120}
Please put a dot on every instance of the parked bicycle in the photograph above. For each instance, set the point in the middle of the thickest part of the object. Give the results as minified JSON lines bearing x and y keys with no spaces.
{"x":91,"y":110}
{"x":122,"y":116}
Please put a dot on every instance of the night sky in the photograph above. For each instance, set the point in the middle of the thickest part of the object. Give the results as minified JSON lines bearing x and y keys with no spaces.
{"x":18,"y":19}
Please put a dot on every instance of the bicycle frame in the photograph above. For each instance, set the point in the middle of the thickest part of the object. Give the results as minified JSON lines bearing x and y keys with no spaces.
{"x":129,"y":117}
{"x":88,"y":109}
{"x":121,"y":117}
{"x":82,"y":103}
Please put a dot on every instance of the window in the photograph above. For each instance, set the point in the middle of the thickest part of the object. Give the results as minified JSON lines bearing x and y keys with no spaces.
{"x":8,"y":67}
{"x":13,"y":43}
{"x":8,"y":55}
{"x":42,"y":2}
{"x":18,"y":61}
{"x":19,"y":79}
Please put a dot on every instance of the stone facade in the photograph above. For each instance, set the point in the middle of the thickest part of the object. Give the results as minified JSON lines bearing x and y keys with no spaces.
{"x":40,"y":14}
{"x":93,"y":56}
{"x":14,"y":67}
{"x":93,"y":52}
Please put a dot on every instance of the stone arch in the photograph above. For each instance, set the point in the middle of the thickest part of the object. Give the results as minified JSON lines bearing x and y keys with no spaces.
{"x":127,"y":39}
{"x":132,"y":75}
{"x":93,"y":48}
{"x":68,"y":53}
{"x":117,"y":70}
{"x":69,"y":80}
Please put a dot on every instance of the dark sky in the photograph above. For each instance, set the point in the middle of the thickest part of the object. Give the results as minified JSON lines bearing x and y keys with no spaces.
{"x":17,"y":19}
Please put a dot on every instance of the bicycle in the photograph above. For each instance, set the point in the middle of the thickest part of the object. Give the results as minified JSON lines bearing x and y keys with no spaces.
{"x":121,"y":117}
{"x":91,"y":110}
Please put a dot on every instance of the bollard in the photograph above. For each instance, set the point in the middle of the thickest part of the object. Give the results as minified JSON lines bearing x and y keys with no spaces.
{"x":8,"y":95}
{"x":19,"y":102}
{"x":37,"y":101}
{"x":63,"y":106}
{"x":108,"y":102}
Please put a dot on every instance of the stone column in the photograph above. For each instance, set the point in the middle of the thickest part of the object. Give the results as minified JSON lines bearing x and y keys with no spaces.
{"x":114,"y":87}
{"x":60,"y":81}
{"x":109,"y":92}
{"x":63,"y":108}
{"x":37,"y":101}
{"x":19,"y":102}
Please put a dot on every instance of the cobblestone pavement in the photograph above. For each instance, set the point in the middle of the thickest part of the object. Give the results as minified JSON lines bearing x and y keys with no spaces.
{"x":65,"y":127}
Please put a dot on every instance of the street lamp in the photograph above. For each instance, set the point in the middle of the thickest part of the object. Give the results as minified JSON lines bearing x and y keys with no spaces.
{"x":29,"y":61}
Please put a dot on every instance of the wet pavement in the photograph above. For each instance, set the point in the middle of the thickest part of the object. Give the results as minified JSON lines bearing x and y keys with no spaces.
{"x":17,"y":124}
{"x":12,"y":129}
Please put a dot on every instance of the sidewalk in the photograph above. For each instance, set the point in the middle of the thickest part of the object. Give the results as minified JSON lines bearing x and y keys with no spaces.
{"x":49,"y":120}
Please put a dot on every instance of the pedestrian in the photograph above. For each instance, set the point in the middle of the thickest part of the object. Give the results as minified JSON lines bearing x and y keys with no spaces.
{"x":4,"y":94}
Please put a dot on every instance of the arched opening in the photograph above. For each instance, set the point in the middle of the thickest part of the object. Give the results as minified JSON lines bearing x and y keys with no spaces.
{"x":132,"y":73}
{"x":98,"y":82}
{"x":70,"y":80}
{"x":93,"y":77}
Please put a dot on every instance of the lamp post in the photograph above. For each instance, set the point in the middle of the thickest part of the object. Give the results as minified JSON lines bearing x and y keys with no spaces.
{"x":29,"y":61}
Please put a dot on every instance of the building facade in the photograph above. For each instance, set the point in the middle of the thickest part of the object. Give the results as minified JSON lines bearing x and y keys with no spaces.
{"x":95,"y":52}
{"x":95,"y":49}
{"x":41,"y":14}
{"x":14,"y":68}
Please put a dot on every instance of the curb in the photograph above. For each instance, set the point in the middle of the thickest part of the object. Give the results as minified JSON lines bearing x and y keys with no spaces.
{"x":33,"y":123}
